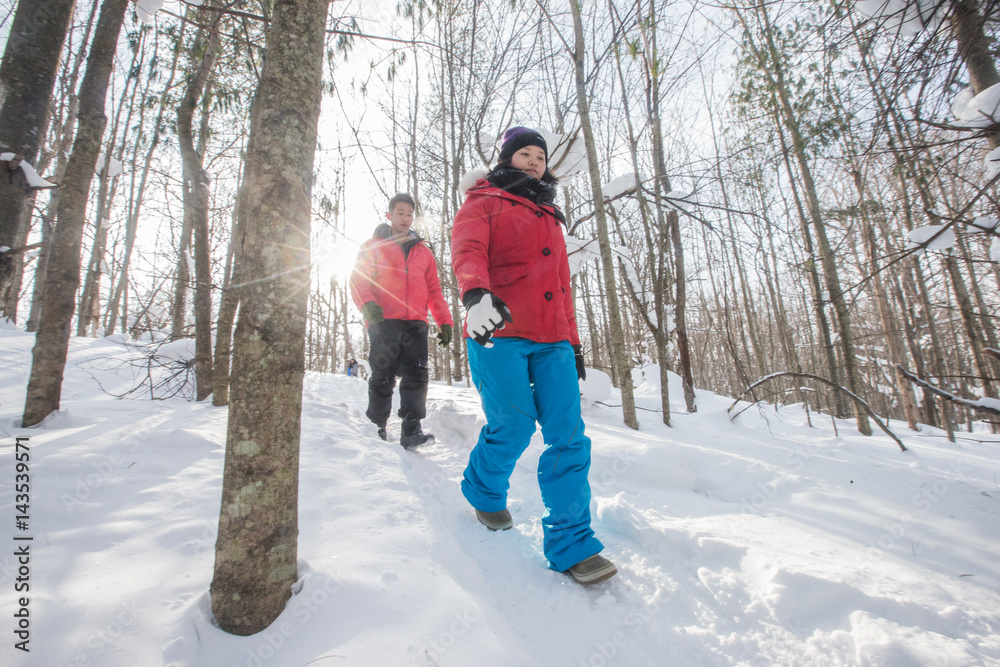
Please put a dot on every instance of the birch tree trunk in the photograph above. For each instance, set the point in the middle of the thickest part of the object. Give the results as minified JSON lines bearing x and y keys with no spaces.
{"x":256,"y":549}
{"x":63,"y":278}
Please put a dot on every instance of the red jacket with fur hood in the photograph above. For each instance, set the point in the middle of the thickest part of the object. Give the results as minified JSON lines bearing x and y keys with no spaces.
{"x":401,"y":277}
{"x":515,"y":248}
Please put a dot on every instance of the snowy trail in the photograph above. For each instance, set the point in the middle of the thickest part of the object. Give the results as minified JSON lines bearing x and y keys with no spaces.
{"x":760,"y":542}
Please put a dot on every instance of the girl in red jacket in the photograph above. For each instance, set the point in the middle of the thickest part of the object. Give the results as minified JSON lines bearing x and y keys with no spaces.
{"x":509,"y":257}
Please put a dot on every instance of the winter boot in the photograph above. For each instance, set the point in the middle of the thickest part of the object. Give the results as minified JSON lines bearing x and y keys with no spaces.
{"x":496,"y":520}
{"x":593,"y":570}
{"x":413,"y":435}
{"x":382,"y":433}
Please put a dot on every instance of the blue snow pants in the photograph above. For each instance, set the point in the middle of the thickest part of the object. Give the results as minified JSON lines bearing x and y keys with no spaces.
{"x":522,"y":382}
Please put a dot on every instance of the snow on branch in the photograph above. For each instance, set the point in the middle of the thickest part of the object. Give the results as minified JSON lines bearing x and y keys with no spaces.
{"x":808,"y":376}
{"x":30,"y":176}
{"x":990,"y":406}
{"x":931,"y":237}
{"x":907,"y":17}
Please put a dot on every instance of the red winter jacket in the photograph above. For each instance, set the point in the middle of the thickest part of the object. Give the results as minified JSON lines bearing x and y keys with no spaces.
{"x":516,"y":249}
{"x":404,"y":284}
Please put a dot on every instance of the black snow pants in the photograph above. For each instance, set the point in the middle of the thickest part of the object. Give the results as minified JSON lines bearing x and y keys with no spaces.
{"x":398,"y":348}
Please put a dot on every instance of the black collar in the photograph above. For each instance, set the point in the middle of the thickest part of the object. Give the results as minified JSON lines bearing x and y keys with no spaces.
{"x":517,"y":182}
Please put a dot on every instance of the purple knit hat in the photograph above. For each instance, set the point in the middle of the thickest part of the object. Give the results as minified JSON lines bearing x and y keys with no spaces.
{"x":517,"y":138}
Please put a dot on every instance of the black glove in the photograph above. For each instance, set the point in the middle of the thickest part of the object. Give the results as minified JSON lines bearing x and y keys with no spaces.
{"x":485,"y":314}
{"x":444,"y":336}
{"x":372,"y":312}
{"x":581,"y":370}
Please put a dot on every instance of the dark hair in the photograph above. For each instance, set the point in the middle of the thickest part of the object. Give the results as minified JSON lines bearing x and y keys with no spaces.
{"x":547,"y":177}
{"x":401,"y":198}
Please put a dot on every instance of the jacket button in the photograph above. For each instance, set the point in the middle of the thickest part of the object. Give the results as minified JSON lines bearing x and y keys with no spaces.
{"x":548,"y":296}
{"x":546,"y":252}
{"x":538,"y":214}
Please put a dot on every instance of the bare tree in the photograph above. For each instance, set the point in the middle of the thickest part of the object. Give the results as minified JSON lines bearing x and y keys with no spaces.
{"x":196,"y":191}
{"x":614,"y":310}
{"x":63,"y":276}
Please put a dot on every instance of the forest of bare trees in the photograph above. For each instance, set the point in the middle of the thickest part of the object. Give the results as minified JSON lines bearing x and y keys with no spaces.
{"x":787,"y":190}
{"x":784,"y":151}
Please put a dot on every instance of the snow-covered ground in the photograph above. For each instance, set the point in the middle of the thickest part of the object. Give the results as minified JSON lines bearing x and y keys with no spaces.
{"x":760,"y":542}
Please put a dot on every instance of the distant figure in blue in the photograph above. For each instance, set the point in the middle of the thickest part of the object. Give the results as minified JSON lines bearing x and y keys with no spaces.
{"x":352,"y":367}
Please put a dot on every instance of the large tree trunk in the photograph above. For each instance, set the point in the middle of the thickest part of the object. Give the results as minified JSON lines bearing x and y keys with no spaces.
{"x":27,"y":75}
{"x":63,"y":278}
{"x":614,"y":311}
{"x":255,"y":554}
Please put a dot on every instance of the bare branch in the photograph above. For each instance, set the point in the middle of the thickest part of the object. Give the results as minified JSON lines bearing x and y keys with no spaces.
{"x":978,"y":406}
{"x":857,"y":399}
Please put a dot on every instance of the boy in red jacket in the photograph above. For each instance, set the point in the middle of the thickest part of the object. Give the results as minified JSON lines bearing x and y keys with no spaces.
{"x":394,"y":283}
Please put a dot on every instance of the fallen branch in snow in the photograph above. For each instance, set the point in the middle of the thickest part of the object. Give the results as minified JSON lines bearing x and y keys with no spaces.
{"x":981,"y":405}
{"x":857,"y":399}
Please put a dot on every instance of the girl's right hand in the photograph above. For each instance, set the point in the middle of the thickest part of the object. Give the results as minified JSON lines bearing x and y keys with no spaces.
{"x":486,"y":316}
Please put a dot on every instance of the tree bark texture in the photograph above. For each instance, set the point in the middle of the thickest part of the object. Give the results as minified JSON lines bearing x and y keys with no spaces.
{"x":27,"y":75}
{"x":63,"y":276}
{"x":255,"y":554}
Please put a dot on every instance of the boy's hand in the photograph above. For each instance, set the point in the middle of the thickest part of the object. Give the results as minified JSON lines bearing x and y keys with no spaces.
{"x":485,"y":315}
{"x":372,"y":312}
{"x":444,"y":336}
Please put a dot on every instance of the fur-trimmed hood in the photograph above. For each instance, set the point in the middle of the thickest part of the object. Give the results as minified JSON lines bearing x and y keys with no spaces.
{"x":515,"y":182}
{"x":470,"y":178}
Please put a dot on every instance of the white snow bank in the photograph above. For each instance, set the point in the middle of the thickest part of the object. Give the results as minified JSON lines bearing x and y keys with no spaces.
{"x":177,"y":350}
{"x":761,"y":542}
{"x":596,"y":388}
